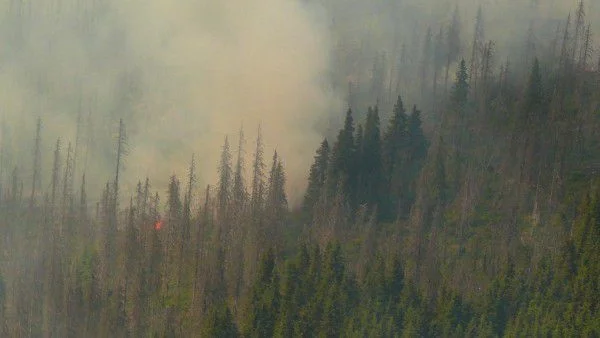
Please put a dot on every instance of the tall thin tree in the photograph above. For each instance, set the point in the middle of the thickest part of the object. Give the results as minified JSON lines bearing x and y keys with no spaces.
{"x":36,"y":161}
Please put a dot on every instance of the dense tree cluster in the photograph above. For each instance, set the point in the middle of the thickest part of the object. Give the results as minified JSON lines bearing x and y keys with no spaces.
{"x":366,"y":168}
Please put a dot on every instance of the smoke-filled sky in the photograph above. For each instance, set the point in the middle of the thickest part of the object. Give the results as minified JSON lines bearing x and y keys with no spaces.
{"x":184,"y":74}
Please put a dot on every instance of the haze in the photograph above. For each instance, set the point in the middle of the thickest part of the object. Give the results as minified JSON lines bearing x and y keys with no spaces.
{"x":184,"y":74}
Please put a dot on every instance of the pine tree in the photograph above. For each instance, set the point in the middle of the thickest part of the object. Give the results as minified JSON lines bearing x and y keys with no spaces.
{"x":341,"y":170}
{"x":225,"y":176}
{"x":258,"y":176}
{"x":187,"y":213}
{"x":394,"y":159}
{"x":239,"y":189}
{"x":219,"y":323}
{"x":371,"y":159}
{"x":264,"y":300}
{"x":534,"y":94}
{"x":277,"y":199}
{"x":276,"y":205}
{"x":36,"y":162}
{"x":359,"y":163}
{"x":416,"y":155}
{"x":121,"y":152}
{"x":460,"y":91}
{"x":175,"y":207}
{"x":316,"y":178}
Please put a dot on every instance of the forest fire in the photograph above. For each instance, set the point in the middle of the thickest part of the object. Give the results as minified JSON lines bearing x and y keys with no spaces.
{"x":158,"y":225}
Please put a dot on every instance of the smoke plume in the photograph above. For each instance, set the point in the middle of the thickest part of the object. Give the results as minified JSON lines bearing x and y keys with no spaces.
{"x":182,"y":75}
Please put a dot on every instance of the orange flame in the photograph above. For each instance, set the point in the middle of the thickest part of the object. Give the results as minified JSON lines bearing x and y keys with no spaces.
{"x":158,"y":225}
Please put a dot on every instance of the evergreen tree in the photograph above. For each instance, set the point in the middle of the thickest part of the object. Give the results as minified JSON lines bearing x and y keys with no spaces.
{"x":394,"y":159}
{"x":371,"y":162}
{"x":417,"y":147}
{"x":219,"y":323}
{"x":264,"y":300}
{"x":258,"y":168}
{"x":341,"y":170}
{"x":460,"y":91}
{"x":36,"y":162}
{"x":277,"y":199}
{"x":360,"y":163}
{"x":225,"y":176}
{"x":316,"y":177}
{"x":187,"y":204}
{"x":276,"y":206}
{"x":534,"y":94}
{"x":239,"y":189}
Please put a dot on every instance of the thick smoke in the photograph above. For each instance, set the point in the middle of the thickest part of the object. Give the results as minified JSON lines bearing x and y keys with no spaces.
{"x":182,"y":74}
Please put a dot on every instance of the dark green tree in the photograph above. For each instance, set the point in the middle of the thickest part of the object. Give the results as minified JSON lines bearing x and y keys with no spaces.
{"x":264,"y":300}
{"x":316,"y":177}
{"x":393,"y":160}
{"x":225,"y":176}
{"x":341,"y":170}
{"x":371,"y":161}
{"x":460,"y":91}
{"x":219,"y":323}
{"x":534,"y":94}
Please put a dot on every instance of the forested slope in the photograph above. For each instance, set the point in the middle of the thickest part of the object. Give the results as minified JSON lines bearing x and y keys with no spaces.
{"x":478,"y":215}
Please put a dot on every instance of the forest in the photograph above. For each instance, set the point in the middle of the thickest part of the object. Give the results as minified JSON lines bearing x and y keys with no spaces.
{"x":460,"y":199}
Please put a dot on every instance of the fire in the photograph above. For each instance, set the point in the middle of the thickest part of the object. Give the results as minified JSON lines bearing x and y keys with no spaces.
{"x":158,"y":224}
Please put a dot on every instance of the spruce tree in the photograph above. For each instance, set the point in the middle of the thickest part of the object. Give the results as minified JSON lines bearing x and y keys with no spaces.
{"x":36,"y":163}
{"x":239,"y":189}
{"x":258,"y":169}
{"x":225,"y":176}
{"x":264,"y":300}
{"x":534,"y":93}
{"x":341,"y":171}
{"x":277,"y":200}
{"x":460,"y":91}
{"x":393,"y":159}
{"x":371,"y":161}
{"x":316,"y":177}
{"x":219,"y":323}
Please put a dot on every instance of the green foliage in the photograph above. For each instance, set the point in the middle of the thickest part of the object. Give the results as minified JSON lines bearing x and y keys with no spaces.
{"x":264,"y":300}
{"x":219,"y":323}
{"x":316,"y":178}
{"x":460,"y":91}
{"x":492,"y":232}
{"x":341,"y":171}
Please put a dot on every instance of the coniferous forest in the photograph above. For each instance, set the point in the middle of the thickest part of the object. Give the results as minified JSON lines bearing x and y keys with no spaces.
{"x":469,"y":207}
